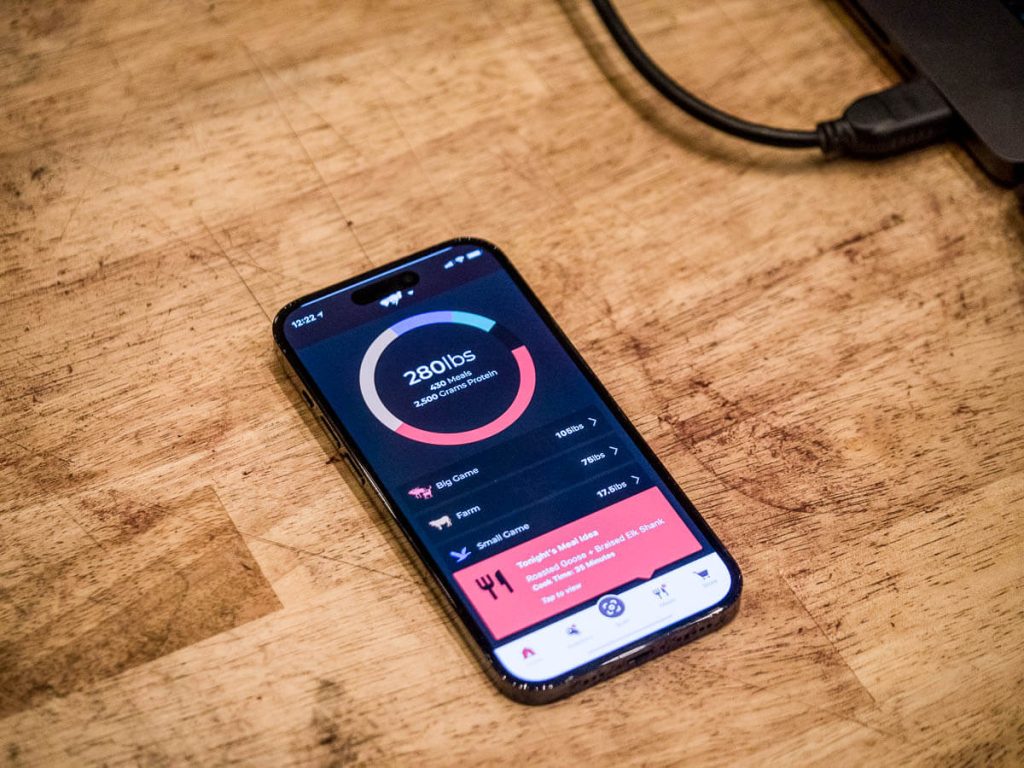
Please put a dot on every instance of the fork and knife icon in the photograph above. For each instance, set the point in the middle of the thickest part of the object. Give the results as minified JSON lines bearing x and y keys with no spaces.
{"x":487,"y":582}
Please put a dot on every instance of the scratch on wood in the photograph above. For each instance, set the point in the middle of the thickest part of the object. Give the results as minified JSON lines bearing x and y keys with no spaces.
{"x":39,"y":454}
{"x":835,"y":650}
{"x":305,"y":151}
{"x":890,"y":221}
{"x":301,"y":551}
{"x":438,"y":198}
{"x":770,"y":691}
{"x":234,"y":268}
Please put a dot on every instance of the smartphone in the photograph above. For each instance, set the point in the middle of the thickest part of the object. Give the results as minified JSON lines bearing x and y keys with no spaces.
{"x":564,"y":548}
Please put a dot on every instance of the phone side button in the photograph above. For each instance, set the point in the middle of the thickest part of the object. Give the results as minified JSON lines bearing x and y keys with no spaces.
{"x":356,"y":470}
{"x":331,"y":434}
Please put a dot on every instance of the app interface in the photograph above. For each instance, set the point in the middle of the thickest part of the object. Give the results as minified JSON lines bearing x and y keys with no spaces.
{"x":544,"y":517}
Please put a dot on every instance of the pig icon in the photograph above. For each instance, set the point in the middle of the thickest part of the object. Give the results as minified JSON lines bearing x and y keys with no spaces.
{"x":420,"y":492}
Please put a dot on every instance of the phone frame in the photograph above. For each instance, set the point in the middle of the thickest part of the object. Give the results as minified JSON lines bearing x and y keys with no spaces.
{"x":589,"y":673}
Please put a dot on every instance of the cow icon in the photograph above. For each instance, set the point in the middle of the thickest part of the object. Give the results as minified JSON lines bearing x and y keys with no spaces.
{"x":422,"y":492}
{"x":441,"y":523}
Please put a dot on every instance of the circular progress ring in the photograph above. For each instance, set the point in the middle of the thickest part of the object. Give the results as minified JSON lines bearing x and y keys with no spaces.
{"x":519,"y":352}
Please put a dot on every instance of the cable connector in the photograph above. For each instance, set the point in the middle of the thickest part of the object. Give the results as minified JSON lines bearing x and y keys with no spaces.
{"x":900,"y":118}
{"x":895,"y":120}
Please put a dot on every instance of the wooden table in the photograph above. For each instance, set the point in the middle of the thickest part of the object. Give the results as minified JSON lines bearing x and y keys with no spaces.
{"x":828,"y":356}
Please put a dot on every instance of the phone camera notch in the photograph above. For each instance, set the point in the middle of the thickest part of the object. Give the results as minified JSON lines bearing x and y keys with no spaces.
{"x":382,"y":289}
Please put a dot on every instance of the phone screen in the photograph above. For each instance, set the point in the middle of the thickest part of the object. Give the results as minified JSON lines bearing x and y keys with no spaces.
{"x":556,"y":531}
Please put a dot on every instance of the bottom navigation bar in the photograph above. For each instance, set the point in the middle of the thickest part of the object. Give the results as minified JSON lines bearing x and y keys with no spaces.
{"x":617,"y":620}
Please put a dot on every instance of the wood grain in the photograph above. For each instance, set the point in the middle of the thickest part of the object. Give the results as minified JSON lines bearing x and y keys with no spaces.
{"x":97,"y":583}
{"x":828,"y":356}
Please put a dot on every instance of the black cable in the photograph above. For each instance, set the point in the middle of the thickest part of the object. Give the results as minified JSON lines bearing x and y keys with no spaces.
{"x":686,"y":101}
{"x":894,"y":120}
